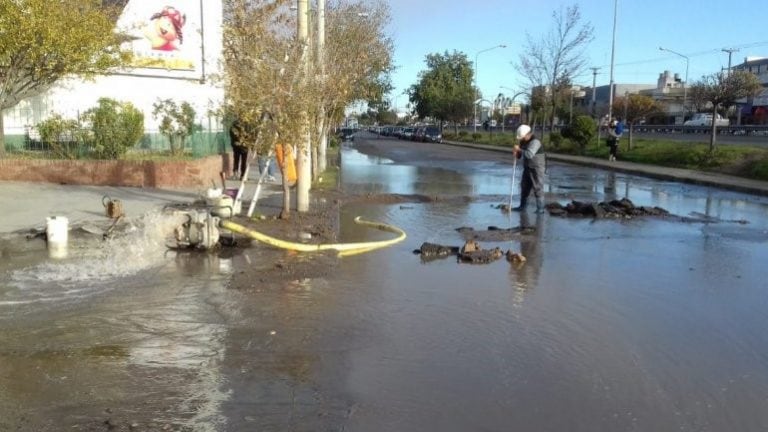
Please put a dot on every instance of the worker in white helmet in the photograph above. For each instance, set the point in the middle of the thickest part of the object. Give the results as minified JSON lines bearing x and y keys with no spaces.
{"x":530,"y":151}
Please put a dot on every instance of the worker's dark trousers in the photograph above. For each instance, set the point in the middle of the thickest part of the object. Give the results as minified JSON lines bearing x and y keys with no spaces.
{"x":531,"y":181}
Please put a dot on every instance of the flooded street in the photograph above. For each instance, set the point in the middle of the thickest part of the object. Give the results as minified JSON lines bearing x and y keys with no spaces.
{"x":650,"y":324}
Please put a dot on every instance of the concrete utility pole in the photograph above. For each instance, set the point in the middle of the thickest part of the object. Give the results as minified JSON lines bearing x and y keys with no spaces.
{"x":304,"y":162}
{"x":594,"y":90}
{"x":323,"y":128}
{"x":730,"y":52}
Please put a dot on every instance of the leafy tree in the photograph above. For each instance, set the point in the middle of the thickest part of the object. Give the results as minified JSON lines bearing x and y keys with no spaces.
{"x":42,"y":41}
{"x":723,"y":90}
{"x":115,"y":126}
{"x":177,"y":122}
{"x":557,"y":57}
{"x":444,"y":90}
{"x":637,"y":107}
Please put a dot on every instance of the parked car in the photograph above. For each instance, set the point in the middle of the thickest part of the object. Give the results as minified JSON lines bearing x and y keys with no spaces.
{"x":703,"y":119}
{"x":432,"y":134}
{"x":407,"y":133}
{"x":347,"y":134}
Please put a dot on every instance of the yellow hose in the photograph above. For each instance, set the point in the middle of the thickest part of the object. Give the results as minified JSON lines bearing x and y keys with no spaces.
{"x":345,"y":249}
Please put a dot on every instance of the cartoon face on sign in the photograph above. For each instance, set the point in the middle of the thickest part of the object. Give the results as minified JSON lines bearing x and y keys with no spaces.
{"x":165,"y":29}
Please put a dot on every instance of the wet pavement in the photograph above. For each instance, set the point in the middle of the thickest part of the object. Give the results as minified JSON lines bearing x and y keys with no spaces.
{"x":643,"y":324}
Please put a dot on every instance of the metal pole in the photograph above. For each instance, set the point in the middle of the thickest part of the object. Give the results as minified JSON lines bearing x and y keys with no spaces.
{"x":474,"y":101}
{"x":613,"y":56}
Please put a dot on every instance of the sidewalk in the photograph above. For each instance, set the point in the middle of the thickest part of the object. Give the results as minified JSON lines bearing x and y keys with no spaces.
{"x":27,"y":205}
{"x":739,"y":184}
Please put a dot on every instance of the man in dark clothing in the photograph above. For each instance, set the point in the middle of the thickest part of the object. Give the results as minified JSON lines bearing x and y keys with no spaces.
{"x":239,"y":149}
{"x":529,"y":150}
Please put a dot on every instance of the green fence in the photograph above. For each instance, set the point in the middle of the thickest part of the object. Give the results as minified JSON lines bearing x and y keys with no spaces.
{"x":153,"y":145}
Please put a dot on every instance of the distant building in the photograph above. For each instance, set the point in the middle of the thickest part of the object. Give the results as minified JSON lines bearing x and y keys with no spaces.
{"x":755,"y":110}
{"x":602,"y":96}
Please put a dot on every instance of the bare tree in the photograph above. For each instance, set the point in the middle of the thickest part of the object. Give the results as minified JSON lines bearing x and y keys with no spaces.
{"x":637,"y":107}
{"x":271,"y":90}
{"x":723,"y":90}
{"x":266,"y":83}
{"x":558,"y":56}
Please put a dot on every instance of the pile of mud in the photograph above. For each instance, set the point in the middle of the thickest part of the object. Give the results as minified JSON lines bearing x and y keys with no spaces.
{"x":471,"y":253}
{"x":617,"y":209}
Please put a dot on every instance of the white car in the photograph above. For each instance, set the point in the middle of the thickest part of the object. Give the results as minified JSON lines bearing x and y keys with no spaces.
{"x":701,"y":119}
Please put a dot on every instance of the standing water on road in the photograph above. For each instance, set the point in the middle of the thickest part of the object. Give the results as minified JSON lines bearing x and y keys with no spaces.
{"x":644,"y":324}
{"x":649,"y":324}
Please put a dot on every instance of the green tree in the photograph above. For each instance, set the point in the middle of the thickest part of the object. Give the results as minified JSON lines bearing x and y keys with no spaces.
{"x":582,"y":131}
{"x":177,"y":122}
{"x":723,"y":90}
{"x":42,"y":41}
{"x":444,"y":90}
{"x":116,"y":127}
{"x":557,"y":57}
{"x":636,"y":108}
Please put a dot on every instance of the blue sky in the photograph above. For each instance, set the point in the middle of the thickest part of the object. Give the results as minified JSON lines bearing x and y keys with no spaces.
{"x":698,"y":29}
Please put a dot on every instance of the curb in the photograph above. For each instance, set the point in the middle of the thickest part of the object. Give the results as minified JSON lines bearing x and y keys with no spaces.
{"x":738,"y":184}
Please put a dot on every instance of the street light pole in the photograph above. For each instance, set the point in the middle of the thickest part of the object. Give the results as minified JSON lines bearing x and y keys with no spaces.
{"x":613,"y":54}
{"x":474,"y":119}
{"x":685,"y":84}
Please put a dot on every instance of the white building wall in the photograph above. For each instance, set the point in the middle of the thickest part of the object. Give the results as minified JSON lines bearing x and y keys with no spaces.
{"x":141,"y":86}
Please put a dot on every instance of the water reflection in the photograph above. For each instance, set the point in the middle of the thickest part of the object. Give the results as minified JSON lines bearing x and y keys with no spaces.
{"x":648,"y":324}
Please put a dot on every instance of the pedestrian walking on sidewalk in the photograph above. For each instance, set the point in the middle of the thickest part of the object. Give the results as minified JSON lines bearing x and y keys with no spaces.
{"x":615,"y":131}
{"x":530,"y":151}
{"x":239,"y":149}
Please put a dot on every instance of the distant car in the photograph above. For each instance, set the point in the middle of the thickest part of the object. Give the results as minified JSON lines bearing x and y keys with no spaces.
{"x":407,"y":133}
{"x":702,"y":119}
{"x":347,"y":134}
{"x":418,"y":134}
{"x":432,"y":134}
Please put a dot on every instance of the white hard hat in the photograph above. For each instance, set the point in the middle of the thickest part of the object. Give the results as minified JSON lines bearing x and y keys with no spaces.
{"x":522,"y":131}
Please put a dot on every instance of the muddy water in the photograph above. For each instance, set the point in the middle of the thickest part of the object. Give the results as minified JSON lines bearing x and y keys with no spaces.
{"x":610,"y":325}
{"x":119,"y":333}
{"x":636,"y":325}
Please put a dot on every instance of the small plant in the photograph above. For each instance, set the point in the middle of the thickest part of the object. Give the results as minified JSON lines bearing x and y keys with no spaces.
{"x":177,"y":122}
{"x":115,"y":126}
{"x":476,"y":136}
{"x":65,"y":137}
{"x":463,"y":134}
{"x":556,"y":139}
{"x":582,"y":131}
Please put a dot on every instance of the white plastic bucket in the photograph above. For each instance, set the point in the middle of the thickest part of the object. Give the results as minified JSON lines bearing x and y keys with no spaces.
{"x":225,"y":207}
{"x":212,"y":194}
{"x":57,"y":230}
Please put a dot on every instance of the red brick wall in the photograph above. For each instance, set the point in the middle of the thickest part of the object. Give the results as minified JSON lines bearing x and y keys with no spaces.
{"x":157,"y":174}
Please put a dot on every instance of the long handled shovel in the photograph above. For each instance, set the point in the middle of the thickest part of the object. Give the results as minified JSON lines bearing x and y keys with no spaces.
{"x":512,"y":191}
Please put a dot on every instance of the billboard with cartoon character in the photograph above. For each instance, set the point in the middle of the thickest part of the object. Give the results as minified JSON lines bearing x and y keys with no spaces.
{"x":163,"y":35}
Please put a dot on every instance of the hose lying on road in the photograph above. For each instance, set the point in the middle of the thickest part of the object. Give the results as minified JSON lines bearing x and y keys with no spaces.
{"x":345,"y":249}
